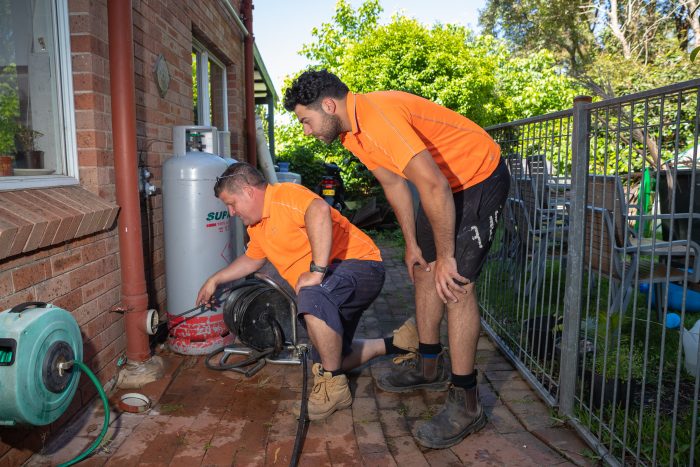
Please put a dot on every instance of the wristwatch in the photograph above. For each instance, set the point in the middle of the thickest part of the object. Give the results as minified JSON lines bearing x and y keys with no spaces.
{"x":315,"y":268}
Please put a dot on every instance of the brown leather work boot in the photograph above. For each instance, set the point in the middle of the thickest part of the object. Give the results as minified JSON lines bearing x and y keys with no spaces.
{"x":329,"y":393}
{"x":460,"y":416}
{"x":415,"y":372}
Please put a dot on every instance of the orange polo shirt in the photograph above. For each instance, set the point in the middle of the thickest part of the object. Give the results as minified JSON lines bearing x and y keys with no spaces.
{"x":390,"y":127}
{"x":281,"y":236}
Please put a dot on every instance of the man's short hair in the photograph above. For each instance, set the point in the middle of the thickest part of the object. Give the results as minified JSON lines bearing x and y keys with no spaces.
{"x":236,"y":176}
{"x":312,"y":86}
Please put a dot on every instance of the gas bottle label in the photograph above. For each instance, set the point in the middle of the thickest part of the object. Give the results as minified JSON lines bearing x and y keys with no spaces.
{"x":221,"y":221}
{"x":217,"y":215}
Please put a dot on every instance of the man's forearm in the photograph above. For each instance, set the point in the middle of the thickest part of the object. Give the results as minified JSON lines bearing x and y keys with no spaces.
{"x":439,"y":206}
{"x":319,"y":228}
{"x":240,"y":267}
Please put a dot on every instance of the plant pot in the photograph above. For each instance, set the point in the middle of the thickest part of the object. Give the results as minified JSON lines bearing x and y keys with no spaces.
{"x":541,"y":333}
{"x":6,"y":166}
{"x":30,"y":160}
{"x":607,"y":391}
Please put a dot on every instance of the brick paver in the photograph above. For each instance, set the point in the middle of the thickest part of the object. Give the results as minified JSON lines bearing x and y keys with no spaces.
{"x":204,"y":417}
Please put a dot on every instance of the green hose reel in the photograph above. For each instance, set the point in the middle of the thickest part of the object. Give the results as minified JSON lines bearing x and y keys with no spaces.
{"x":37,"y":342}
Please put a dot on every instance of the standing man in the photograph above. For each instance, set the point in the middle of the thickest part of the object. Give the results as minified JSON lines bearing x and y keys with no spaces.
{"x":335,"y":269}
{"x":462,"y":183}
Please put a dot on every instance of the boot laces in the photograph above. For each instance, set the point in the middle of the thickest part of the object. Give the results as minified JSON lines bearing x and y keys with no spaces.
{"x":320,"y":391}
{"x":409,"y":358}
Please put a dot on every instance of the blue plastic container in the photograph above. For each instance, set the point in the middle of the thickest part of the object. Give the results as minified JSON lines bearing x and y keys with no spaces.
{"x":675,"y":297}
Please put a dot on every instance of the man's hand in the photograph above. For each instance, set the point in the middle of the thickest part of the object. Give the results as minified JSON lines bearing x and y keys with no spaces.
{"x":448,"y":281}
{"x":206,"y":293}
{"x":308,"y":279}
{"x":414,"y":255}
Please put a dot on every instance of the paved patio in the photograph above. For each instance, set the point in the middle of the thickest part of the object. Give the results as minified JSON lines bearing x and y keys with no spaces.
{"x":204,"y":417}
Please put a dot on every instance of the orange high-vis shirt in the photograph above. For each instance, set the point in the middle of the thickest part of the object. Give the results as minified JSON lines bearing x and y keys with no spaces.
{"x":390,"y":127}
{"x":281,"y":236}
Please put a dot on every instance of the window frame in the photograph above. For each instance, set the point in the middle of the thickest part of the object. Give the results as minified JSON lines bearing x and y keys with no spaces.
{"x":65,"y":114}
{"x":203,"y":114}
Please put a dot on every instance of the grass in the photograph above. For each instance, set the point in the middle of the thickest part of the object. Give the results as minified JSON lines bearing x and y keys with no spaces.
{"x":623,"y":434}
{"x":392,"y":237}
{"x":628,"y":344}
{"x":402,"y":409}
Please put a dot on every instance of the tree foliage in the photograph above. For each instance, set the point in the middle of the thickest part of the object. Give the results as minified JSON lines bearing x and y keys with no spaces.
{"x":477,"y":76}
{"x":612,"y":47}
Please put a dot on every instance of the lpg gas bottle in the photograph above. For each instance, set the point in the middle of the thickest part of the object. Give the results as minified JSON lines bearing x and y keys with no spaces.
{"x":197,"y":236}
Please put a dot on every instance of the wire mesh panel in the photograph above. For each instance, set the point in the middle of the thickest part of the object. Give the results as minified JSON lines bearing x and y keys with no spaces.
{"x":634,"y":392}
{"x":521,"y":290}
{"x":602,"y":212}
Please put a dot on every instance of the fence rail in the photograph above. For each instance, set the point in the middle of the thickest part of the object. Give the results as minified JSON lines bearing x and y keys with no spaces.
{"x":593,"y":288}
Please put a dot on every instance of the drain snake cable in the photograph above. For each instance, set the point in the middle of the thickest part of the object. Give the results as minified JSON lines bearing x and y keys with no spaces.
{"x":301,"y":426}
{"x":84,"y":368}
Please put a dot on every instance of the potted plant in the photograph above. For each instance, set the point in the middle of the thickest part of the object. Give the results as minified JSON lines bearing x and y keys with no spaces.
{"x":7,"y":146}
{"x":28,"y":156}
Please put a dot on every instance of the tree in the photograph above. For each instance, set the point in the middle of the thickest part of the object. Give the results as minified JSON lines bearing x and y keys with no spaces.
{"x":476,"y":76}
{"x":622,"y":46}
{"x":612,"y":46}
{"x":560,"y":26}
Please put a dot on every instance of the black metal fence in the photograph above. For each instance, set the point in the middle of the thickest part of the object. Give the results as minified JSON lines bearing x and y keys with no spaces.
{"x":593,"y":288}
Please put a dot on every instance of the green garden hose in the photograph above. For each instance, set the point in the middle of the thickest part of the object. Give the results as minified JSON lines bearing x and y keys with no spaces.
{"x":84,"y":368}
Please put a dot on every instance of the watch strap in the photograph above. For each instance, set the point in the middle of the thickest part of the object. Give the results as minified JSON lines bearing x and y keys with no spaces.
{"x":315,"y":268}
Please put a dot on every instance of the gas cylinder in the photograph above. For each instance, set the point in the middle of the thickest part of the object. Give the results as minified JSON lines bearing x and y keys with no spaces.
{"x":197,"y":235}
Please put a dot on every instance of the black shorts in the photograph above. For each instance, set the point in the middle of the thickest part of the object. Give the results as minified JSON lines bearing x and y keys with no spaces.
{"x":349,"y":288}
{"x":478,"y":210}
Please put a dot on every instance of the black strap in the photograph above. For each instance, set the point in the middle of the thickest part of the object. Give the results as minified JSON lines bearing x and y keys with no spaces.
{"x":23,"y":306}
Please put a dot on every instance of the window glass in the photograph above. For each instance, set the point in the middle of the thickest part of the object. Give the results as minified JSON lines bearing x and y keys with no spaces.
{"x":208,"y":89}
{"x":33,"y":111}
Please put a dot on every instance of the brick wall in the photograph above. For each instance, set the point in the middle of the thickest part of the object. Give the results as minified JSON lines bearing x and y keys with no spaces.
{"x":83,"y":275}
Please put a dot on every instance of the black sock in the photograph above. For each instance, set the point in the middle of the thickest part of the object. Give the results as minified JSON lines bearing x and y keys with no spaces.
{"x":464,"y":381}
{"x":334,"y":373}
{"x":390,"y":347}
{"x":429,"y":350}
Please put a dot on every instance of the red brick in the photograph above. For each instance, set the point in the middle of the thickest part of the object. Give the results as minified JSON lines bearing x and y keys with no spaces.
{"x":65,"y":262}
{"x":29,"y":275}
{"x":26,"y":295}
{"x":53,"y":288}
{"x":6,"y":287}
{"x":70,"y":301}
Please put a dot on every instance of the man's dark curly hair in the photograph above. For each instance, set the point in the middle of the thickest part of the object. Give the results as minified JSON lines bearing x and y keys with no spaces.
{"x":312,"y":86}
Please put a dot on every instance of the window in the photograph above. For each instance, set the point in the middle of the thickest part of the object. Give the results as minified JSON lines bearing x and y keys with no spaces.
{"x":208,"y":89}
{"x":37,"y":128}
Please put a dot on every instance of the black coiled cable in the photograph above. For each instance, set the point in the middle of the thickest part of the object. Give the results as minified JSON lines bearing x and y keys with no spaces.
{"x":301,"y":426}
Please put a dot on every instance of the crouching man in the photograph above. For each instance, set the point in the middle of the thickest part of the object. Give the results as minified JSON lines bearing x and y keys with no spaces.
{"x":334,"y":267}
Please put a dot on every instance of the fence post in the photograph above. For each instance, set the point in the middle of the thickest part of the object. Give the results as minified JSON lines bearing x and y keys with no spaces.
{"x":574,"y":264}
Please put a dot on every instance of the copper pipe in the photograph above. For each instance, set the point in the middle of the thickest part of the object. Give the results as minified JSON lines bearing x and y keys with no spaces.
{"x":121,"y":72}
{"x":249,"y":74}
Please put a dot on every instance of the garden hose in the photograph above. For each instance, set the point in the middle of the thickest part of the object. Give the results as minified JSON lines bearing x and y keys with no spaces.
{"x":84,"y":368}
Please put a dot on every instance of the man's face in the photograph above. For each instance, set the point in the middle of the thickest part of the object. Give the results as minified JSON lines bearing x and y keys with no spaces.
{"x":319,"y":124}
{"x":242,"y":204}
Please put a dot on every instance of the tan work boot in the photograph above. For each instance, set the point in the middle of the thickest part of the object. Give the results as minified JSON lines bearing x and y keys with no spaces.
{"x":406,"y":337}
{"x":330,"y":393}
